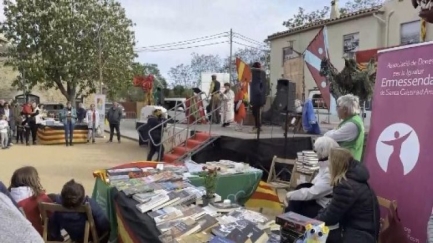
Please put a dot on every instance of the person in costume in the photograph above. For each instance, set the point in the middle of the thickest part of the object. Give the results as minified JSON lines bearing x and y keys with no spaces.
{"x":240,"y":112}
{"x":228,"y":105}
{"x":350,"y":132}
{"x":215,"y":87}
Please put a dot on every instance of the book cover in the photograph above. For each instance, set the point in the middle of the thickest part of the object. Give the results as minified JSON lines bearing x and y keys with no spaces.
{"x":184,"y":227}
{"x":155,"y":202}
{"x":124,"y":171}
{"x":256,"y":235}
{"x":224,"y":229}
{"x":144,"y":197}
{"x":219,"y":239}
{"x":224,"y":207}
{"x":206,"y":222}
{"x":238,"y":236}
{"x":195,"y":238}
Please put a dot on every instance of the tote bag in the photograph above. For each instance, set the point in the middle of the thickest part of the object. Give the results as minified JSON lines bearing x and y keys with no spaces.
{"x":391,"y":230}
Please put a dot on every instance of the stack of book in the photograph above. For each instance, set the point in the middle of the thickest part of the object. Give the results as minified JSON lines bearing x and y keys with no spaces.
{"x":307,"y":162}
{"x":293,"y":226}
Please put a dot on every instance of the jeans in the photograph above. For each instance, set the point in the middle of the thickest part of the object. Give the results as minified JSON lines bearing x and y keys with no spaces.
{"x":112,"y":127}
{"x":155,"y":149}
{"x":69,"y":131}
{"x":32,"y":129}
{"x":257,"y":116}
{"x":91,"y":133}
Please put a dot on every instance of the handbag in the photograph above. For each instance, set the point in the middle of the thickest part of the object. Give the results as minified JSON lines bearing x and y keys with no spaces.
{"x":391,"y":229}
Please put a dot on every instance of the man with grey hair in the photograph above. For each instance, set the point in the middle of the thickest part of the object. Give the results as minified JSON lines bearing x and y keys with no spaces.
{"x":350,"y":132}
{"x":309,"y":198}
{"x":114,"y":116}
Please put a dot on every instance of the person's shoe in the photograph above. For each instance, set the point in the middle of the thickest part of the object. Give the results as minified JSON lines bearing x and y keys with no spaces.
{"x":71,"y":144}
{"x":27,"y":144}
{"x":11,"y":144}
{"x":88,"y":141}
{"x":67,"y":144}
{"x":254,"y":130}
{"x":118,"y":141}
{"x":34,"y":142}
{"x":93,"y":141}
{"x":109,"y":141}
{"x":22,"y":142}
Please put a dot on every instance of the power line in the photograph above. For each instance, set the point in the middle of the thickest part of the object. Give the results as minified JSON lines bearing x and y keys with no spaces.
{"x":261,"y":49}
{"x":182,"y":48}
{"x":176,"y":45}
{"x":248,"y":39}
{"x":186,"y":42}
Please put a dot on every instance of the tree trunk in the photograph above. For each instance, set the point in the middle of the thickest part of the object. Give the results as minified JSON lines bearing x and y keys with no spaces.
{"x":72,"y":94}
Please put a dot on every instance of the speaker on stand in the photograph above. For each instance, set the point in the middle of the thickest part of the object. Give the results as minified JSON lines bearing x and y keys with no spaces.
{"x":289,"y":107}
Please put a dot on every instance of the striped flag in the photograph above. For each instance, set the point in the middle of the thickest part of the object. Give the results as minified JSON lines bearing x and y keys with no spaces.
{"x":423,"y":31}
{"x":313,"y":55}
{"x":244,"y":76}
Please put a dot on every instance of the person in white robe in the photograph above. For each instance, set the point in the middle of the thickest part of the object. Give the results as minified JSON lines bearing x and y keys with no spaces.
{"x":228,"y":105}
{"x":92,"y":120}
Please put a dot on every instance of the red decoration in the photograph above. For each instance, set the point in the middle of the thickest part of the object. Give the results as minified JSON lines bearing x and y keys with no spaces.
{"x":145,"y":82}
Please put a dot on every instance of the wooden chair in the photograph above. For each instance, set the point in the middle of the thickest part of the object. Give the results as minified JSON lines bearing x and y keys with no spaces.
{"x":89,"y":228}
{"x":273,"y":178}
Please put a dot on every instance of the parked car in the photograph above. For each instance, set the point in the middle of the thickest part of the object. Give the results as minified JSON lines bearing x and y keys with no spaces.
{"x":109,"y":105}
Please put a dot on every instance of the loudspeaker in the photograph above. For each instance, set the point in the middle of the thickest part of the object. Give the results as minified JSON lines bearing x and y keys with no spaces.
{"x":284,"y":101}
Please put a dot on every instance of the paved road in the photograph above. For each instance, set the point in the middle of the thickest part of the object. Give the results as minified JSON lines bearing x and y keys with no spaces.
{"x":57,"y":164}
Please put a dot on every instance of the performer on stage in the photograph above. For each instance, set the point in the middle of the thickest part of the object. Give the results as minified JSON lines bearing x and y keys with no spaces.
{"x":350,"y":132}
{"x":228,"y":106}
{"x":257,"y":94}
{"x":240,"y":112}
{"x":214,"y":103}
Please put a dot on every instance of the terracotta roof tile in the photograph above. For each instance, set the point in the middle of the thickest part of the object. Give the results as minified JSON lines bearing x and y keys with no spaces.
{"x":325,"y":21}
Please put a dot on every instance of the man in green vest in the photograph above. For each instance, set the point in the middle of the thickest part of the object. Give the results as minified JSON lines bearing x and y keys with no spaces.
{"x":350,"y":132}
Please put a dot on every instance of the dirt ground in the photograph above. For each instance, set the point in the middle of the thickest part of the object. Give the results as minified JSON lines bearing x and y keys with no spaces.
{"x":57,"y":164}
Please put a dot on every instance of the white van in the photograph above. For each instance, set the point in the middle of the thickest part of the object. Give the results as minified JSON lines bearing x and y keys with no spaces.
{"x":178,"y":115}
{"x":325,"y":116}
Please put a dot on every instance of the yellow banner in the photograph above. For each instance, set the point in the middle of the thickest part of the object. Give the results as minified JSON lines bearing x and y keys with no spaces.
{"x":294,"y":71}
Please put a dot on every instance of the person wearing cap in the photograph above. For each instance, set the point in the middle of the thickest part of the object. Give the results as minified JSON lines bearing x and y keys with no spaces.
{"x":155,"y":120}
{"x":214,"y":93}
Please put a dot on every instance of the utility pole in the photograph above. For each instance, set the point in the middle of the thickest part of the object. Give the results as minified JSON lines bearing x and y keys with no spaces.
{"x":231,"y":56}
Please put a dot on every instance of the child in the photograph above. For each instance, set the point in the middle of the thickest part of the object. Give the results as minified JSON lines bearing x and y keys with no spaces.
{"x":71,"y":197}
{"x":27,"y":191}
{"x":4,"y":126}
{"x":20,"y":129}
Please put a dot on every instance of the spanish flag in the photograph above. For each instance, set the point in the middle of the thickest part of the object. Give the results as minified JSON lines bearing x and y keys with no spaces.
{"x":244,"y":76}
{"x":423,"y":31}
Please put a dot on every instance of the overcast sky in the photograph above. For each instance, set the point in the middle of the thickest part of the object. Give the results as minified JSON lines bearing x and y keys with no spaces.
{"x":166,"y":21}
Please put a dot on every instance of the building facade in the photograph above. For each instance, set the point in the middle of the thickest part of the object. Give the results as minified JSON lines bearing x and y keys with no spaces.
{"x":395,"y":23}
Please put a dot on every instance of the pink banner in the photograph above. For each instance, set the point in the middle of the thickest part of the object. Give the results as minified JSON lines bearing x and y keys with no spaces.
{"x":399,"y":151}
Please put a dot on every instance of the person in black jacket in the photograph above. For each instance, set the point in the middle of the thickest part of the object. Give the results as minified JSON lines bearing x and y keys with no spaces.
{"x":153,"y":121}
{"x":81,"y":113}
{"x":258,"y":89}
{"x":30,"y":124}
{"x":354,"y":205}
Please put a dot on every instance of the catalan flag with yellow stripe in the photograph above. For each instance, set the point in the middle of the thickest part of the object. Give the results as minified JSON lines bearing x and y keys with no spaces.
{"x":244,"y":76}
{"x":423,"y":32}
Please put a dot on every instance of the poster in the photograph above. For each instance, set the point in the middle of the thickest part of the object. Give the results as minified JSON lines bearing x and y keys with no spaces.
{"x":294,"y":71}
{"x":350,"y":44}
{"x":100,"y":107}
{"x":398,"y":152}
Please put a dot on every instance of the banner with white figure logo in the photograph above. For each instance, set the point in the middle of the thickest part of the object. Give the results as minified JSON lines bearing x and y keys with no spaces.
{"x":399,"y":152}
{"x":100,"y":107}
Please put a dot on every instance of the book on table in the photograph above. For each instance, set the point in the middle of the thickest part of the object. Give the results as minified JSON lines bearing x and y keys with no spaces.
{"x":201,"y":237}
{"x":222,"y":207}
{"x":241,"y":231}
{"x":154,"y":202}
{"x":193,"y":212}
{"x":257,"y":218}
{"x":184,"y":227}
{"x":207,"y":222}
{"x":173,"y":197}
{"x":295,"y":222}
{"x":146,"y":196}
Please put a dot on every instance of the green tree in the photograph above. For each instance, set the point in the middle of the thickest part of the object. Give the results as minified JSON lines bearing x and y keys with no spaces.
{"x":182,"y":75}
{"x":302,"y":17}
{"x":204,"y":63}
{"x":71,"y":45}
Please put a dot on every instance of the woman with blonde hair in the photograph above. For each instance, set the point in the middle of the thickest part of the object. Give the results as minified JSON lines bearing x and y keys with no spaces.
{"x":354,"y":204}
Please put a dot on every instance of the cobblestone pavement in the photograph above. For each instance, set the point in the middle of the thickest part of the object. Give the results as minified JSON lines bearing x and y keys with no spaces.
{"x":57,"y":164}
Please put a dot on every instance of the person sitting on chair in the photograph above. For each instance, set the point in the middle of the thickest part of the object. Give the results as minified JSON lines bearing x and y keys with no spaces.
{"x":155,"y":120}
{"x":309,"y":198}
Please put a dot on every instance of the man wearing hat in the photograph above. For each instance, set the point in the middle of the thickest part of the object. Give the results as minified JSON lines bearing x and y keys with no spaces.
{"x":214,"y":103}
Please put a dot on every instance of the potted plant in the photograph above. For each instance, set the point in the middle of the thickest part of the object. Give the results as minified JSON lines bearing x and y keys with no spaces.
{"x":210,"y":179}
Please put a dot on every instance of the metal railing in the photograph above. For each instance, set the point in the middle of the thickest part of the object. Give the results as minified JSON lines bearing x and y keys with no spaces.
{"x":189,"y":126}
